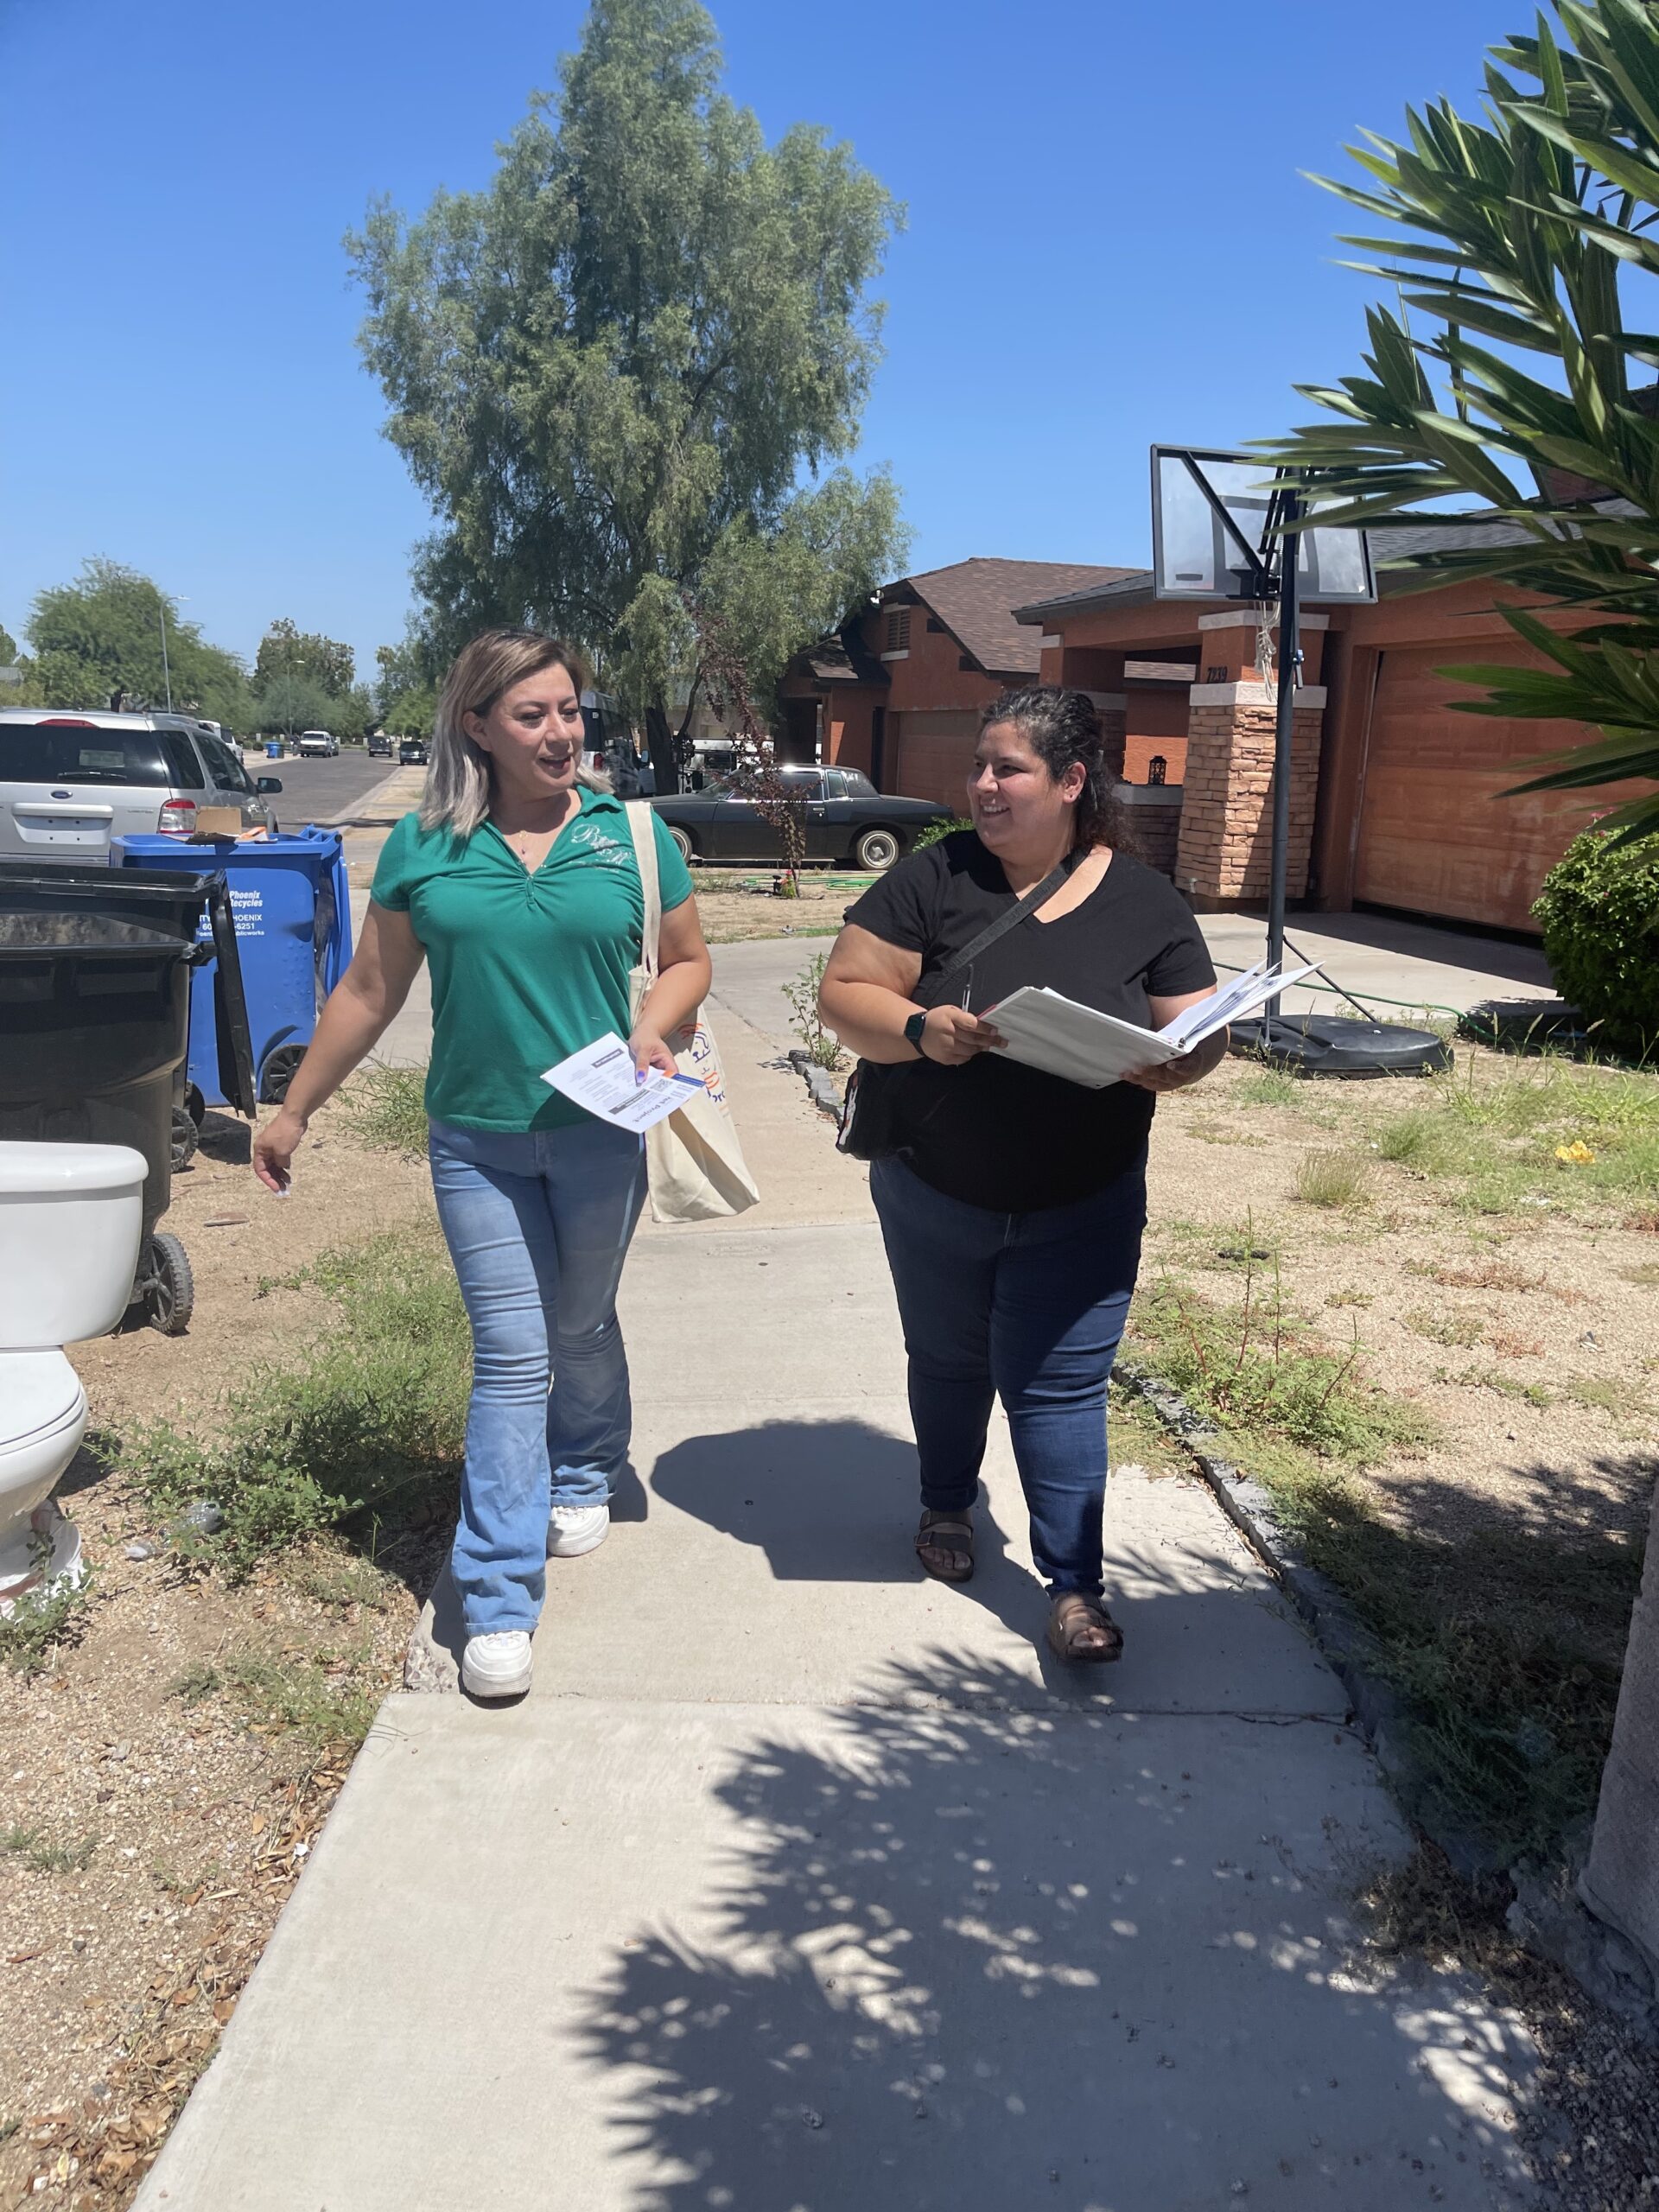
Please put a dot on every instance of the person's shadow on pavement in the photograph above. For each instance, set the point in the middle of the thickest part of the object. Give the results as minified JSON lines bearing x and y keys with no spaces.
{"x":832,"y":1501}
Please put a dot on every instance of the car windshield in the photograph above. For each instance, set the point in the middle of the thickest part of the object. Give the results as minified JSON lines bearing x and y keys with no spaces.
{"x":68,"y":752}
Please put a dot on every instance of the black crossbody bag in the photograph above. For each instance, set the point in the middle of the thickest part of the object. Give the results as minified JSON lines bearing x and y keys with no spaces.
{"x":872,"y":1116}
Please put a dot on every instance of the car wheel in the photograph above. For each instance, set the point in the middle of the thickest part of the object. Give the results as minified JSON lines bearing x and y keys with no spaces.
{"x":876,"y":850}
{"x":683,"y":844}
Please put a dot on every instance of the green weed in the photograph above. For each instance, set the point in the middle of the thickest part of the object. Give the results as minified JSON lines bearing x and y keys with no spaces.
{"x":1606,"y":1394}
{"x":822,"y":1047}
{"x":37,"y":1628}
{"x":326,"y":1710}
{"x":1269,"y":1087}
{"x":1507,"y":1650}
{"x":39,"y":1853}
{"x":340,"y":1578}
{"x":1501,"y":1385}
{"x":1498,"y":1131}
{"x":1254,"y":1370}
{"x":365,"y":1420}
{"x":1443,"y":1328}
{"x":1347,"y":1295}
{"x":1332,"y":1179}
{"x":386,"y":1107}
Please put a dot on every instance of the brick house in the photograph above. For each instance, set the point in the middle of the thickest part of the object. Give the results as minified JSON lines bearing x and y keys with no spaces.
{"x":899,"y":690}
{"x":1394,"y":795}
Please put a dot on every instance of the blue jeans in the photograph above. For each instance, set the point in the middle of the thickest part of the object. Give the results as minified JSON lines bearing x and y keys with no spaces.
{"x":537,"y":1226}
{"x":1027,"y":1308}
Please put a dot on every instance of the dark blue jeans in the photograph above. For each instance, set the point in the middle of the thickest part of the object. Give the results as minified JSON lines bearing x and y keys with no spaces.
{"x":1027,"y":1308}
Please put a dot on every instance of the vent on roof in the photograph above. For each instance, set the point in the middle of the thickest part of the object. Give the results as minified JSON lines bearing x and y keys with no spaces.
{"x":897,"y":629}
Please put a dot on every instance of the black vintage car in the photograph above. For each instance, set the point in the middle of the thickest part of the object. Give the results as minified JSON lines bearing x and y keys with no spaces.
{"x":847,"y":819}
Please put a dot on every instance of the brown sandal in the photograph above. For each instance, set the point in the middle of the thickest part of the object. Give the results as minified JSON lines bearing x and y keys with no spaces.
{"x":952,"y":1538}
{"x":1082,"y":1631}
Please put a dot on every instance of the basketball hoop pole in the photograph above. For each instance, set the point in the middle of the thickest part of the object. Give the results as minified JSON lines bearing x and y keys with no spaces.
{"x":1289,"y":506}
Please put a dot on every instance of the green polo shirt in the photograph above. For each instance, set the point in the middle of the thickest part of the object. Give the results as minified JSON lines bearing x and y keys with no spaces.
{"x":527,"y":968}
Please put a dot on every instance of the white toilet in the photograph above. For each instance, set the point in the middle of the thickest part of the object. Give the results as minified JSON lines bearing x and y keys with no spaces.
{"x":71,"y":1218}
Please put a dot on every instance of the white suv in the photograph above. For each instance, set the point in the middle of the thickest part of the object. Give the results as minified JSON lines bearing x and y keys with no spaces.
{"x":71,"y":783}
{"x":319,"y":743}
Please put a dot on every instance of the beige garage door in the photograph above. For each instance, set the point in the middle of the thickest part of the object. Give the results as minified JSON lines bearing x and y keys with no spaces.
{"x":933,"y":755}
{"x":1435,"y":835}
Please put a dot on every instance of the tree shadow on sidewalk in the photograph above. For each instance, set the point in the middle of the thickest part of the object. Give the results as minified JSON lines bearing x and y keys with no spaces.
{"x":833,"y":1501}
{"x":989,"y":1959}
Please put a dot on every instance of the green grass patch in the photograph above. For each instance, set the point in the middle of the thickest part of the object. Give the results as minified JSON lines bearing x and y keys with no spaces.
{"x":1269,"y":1087}
{"x":326,"y":1709}
{"x":38,"y":1628}
{"x":1506,"y":1648}
{"x":36,"y":1850}
{"x":1506,"y":1134}
{"x":1256,"y":1370}
{"x":1443,"y":1327}
{"x":386,"y":1107}
{"x":1338,"y":1179}
{"x":362,"y":1426}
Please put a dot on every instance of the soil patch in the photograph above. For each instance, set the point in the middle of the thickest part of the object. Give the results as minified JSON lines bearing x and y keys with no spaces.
{"x":168,"y":1763}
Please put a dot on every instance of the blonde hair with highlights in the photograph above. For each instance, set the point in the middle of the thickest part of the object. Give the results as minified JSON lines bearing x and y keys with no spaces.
{"x":457,"y":794}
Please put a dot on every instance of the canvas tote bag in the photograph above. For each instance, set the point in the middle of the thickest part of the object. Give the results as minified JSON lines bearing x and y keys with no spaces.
{"x":693,"y":1164}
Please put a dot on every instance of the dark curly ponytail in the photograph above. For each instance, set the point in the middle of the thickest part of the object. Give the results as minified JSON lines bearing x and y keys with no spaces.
{"x":1061,"y":727}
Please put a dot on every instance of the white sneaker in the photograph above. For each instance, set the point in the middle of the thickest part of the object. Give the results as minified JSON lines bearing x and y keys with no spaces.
{"x":573,"y":1530}
{"x":497,"y":1665}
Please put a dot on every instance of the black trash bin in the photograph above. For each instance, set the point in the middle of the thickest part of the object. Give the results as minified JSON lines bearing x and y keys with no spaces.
{"x":95,"y":1021}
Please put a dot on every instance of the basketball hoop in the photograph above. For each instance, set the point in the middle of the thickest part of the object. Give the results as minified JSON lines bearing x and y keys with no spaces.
{"x":1221,"y":525}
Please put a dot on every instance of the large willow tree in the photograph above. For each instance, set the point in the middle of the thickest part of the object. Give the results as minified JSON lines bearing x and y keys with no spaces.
{"x":617,"y":372}
{"x":1519,"y":369}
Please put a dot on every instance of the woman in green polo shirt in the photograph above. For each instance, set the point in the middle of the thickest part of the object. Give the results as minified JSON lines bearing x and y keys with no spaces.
{"x":517,"y":881}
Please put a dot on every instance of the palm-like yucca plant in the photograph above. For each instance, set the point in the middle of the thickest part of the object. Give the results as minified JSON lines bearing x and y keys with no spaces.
{"x":1510,"y":373}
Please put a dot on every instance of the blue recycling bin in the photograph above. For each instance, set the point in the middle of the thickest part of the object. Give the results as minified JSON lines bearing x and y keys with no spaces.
{"x":291,"y":901}
{"x":273,"y":748}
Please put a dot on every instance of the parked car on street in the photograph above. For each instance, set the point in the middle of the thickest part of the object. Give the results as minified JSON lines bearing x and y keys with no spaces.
{"x":69,"y":783}
{"x":847,"y":819}
{"x":318,"y":744}
{"x":411,"y":753}
{"x":379,"y":746}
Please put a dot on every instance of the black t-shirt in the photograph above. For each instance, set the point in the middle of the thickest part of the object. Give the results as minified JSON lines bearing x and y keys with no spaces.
{"x":994,"y":1133}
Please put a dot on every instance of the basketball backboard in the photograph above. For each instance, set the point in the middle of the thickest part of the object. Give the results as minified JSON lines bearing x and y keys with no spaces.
{"x":1211,"y":537}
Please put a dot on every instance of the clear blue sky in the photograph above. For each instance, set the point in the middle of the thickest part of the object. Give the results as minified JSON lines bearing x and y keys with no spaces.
{"x":1108,"y":242}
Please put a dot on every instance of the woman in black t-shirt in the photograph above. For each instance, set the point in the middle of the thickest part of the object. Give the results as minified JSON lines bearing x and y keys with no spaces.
{"x":1013,"y":1205}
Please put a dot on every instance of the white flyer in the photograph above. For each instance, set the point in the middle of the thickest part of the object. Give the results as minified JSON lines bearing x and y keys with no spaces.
{"x":601,"y":1078}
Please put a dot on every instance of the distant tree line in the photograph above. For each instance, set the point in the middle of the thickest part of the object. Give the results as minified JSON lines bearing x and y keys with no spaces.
{"x":113,"y":638}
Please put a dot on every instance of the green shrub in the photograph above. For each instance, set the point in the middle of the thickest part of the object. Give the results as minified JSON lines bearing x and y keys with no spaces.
{"x":935,"y":830}
{"x":1599,"y":908}
{"x":355,"y":1426}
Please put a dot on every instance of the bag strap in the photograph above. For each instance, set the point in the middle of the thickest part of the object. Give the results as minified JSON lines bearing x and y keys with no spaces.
{"x":642,"y":827}
{"x":1009,"y":919}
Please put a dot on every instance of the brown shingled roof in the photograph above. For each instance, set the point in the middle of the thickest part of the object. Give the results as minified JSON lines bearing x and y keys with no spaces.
{"x":976,"y":600}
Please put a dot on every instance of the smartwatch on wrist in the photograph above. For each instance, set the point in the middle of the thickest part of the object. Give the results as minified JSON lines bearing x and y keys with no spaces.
{"x":914,"y":1029}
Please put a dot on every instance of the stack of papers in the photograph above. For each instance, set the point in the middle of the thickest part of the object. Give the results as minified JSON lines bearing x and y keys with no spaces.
{"x":1044,"y":1030}
{"x":601,"y":1077}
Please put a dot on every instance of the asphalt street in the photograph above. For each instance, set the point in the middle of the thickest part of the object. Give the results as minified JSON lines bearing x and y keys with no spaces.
{"x":321,"y":791}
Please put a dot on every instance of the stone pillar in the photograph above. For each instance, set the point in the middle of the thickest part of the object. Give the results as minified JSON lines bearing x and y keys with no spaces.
{"x":1226,"y":840}
{"x":1621,"y":1883}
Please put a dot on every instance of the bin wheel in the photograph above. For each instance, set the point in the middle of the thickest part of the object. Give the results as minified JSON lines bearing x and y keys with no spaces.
{"x":280,"y":1070}
{"x":185,"y":1136}
{"x":169,"y":1287}
{"x":195,"y":1104}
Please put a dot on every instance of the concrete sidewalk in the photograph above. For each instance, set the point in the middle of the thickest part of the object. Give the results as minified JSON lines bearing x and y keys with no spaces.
{"x":801,"y":1883}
